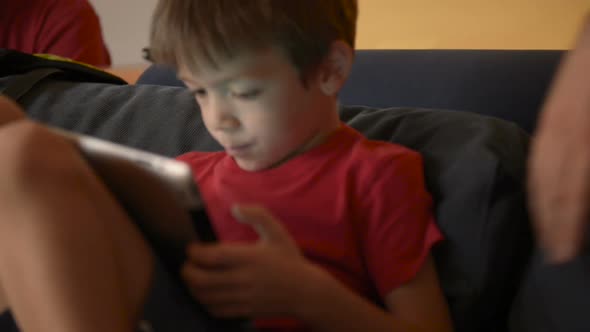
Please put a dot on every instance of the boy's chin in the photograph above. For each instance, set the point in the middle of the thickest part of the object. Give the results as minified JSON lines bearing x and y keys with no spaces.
{"x":251,"y":165}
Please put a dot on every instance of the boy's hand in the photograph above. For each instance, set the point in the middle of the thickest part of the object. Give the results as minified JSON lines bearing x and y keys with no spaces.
{"x":250,"y":280}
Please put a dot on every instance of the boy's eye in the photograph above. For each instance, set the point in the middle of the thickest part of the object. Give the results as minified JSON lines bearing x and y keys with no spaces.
{"x":199,"y":92}
{"x":246,"y":95}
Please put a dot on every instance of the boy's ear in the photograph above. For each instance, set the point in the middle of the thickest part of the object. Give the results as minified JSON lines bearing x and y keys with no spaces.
{"x":336,"y":68}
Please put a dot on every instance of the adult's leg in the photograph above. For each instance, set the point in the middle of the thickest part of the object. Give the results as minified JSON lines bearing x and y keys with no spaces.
{"x":70,"y":258}
{"x":3,"y":303}
{"x":9,"y":112}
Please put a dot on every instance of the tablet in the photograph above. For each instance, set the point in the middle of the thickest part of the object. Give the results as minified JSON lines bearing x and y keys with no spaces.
{"x":158,"y":193}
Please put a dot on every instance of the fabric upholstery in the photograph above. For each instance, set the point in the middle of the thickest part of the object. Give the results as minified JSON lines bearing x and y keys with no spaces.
{"x":474,"y":168}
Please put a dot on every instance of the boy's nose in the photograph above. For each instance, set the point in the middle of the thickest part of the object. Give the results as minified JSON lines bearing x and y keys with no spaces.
{"x":222,"y":117}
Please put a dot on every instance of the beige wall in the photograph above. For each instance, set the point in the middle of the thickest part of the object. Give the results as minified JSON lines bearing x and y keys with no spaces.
{"x":125,"y":27}
{"x":520,"y":24}
{"x":478,"y":24}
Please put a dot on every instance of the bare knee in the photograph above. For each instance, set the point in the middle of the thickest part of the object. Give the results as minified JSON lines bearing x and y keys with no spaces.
{"x":38,"y":164}
{"x":38,"y":169}
{"x":9,"y":111}
{"x":33,"y":156}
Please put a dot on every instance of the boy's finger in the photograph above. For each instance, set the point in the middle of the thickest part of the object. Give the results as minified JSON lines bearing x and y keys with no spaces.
{"x":220,"y":255}
{"x":211,"y":280}
{"x":268,"y":228}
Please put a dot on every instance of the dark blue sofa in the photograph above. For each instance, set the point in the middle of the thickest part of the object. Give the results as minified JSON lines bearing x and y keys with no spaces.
{"x":506,"y":84}
{"x":459,"y":149}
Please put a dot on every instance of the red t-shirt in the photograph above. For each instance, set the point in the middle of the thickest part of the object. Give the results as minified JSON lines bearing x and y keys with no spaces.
{"x":68,"y":28}
{"x":356,"y":207}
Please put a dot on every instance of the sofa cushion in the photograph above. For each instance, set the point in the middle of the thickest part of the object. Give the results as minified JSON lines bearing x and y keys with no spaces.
{"x":509,"y":84}
{"x":554,"y":298}
{"x":474,"y":168}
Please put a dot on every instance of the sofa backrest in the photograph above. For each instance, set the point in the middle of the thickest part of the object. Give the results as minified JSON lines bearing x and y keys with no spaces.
{"x":474,"y":168}
{"x":508,"y":84}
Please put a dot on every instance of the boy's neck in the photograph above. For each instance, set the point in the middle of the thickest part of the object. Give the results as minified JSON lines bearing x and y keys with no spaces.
{"x":330,"y":124}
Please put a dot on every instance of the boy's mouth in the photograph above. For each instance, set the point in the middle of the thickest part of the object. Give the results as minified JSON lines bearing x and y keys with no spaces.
{"x":238,"y":150}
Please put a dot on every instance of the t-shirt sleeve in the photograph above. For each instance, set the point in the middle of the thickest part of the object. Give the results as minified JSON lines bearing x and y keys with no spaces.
{"x":73,"y":30}
{"x":201,"y":163}
{"x":399,"y":228}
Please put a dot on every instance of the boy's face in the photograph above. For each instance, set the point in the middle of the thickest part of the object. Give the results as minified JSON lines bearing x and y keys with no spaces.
{"x":257,"y":108}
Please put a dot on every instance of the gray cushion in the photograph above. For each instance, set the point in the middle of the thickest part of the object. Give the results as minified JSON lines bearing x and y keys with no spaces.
{"x":554,"y":298}
{"x":474,"y":168}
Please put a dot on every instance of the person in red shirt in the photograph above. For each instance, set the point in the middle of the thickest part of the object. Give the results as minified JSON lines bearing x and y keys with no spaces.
{"x":320,"y":229}
{"x":67,"y":28}
{"x":335,"y":199}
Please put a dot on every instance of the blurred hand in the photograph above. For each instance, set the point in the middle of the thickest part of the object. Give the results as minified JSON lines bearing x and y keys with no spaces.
{"x":559,"y":165}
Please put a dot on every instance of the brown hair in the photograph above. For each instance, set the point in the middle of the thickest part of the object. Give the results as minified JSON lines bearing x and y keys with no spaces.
{"x":194,"y":33}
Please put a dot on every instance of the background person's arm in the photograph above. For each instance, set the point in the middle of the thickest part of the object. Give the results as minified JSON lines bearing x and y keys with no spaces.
{"x":559,"y":166}
{"x":73,"y":30}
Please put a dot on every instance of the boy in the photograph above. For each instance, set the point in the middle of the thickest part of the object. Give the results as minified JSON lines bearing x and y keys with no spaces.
{"x":314,"y":235}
